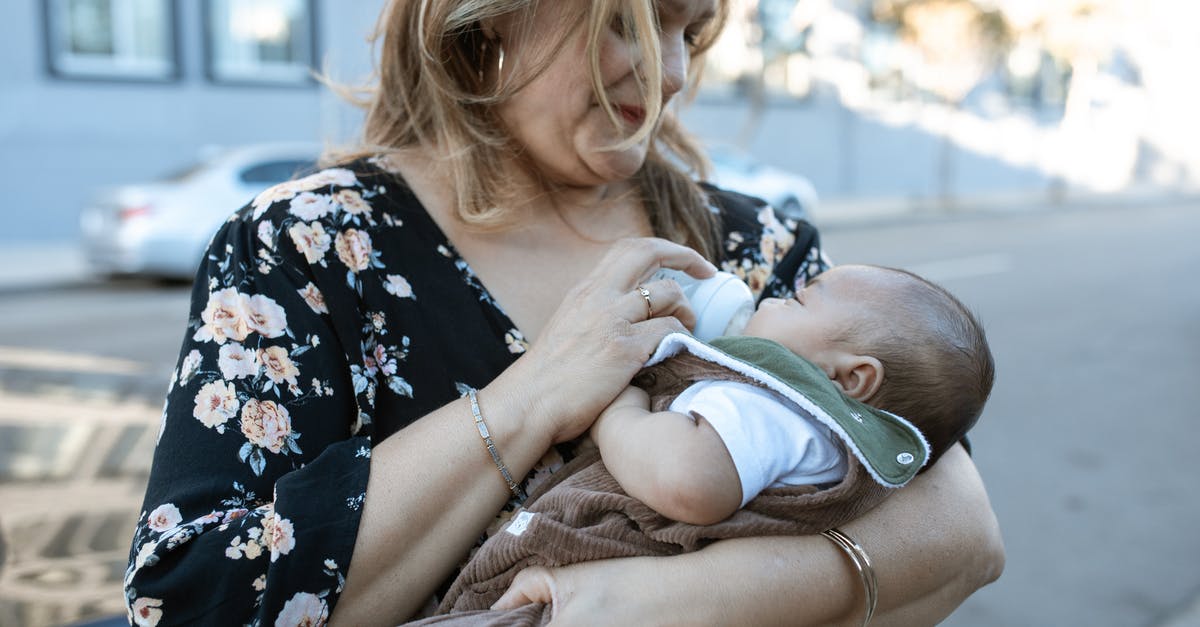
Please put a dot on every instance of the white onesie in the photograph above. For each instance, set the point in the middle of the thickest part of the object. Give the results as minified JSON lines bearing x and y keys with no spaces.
{"x":773,"y":442}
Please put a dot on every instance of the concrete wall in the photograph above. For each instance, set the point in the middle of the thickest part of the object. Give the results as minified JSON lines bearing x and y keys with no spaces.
{"x":854,"y":154}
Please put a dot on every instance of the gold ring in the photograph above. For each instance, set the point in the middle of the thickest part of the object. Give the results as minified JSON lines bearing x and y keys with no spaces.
{"x":646,"y":295}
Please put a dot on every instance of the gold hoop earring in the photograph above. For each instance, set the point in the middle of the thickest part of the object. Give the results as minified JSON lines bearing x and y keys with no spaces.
{"x":483,"y":50}
{"x":483,"y":54}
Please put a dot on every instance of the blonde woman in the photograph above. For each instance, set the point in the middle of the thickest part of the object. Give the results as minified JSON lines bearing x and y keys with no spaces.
{"x":385,"y":355}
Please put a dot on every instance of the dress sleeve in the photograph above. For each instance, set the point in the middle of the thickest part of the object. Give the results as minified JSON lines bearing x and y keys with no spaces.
{"x":772,"y":254}
{"x":255,"y":494}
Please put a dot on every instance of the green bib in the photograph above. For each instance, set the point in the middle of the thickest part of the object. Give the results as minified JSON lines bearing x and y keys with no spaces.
{"x":891,"y":448}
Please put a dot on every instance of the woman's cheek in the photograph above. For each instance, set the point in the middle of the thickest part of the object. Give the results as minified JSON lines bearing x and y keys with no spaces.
{"x":618,"y":58}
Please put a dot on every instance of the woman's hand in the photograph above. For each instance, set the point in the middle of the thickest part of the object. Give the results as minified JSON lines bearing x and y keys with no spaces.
{"x":411,"y":535}
{"x":572,"y":600}
{"x":602,"y":333}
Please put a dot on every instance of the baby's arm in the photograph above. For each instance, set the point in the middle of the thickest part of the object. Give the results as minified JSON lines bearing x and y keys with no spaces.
{"x":677,"y":466}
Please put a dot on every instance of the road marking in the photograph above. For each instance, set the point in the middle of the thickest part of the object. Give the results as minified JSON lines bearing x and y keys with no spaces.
{"x":58,"y":361}
{"x":963,"y":267}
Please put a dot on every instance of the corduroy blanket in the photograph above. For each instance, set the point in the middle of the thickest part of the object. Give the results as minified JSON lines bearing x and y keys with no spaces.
{"x":582,"y":514}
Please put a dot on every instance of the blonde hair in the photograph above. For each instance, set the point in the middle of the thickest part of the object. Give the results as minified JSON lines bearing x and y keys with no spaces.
{"x":431,"y":88}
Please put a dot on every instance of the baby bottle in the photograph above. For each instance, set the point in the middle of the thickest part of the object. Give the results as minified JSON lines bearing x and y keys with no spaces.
{"x":723,"y":303}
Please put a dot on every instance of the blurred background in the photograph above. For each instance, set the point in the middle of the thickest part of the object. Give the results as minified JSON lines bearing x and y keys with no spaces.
{"x":1040,"y":158}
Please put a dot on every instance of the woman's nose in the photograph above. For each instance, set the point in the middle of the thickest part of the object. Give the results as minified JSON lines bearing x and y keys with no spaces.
{"x":675,"y":64}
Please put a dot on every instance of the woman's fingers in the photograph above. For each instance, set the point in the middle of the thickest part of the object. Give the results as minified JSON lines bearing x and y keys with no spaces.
{"x":648,"y":334}
{"x":532,"y":585}
{"x":606,"y":327}
{"x":632,"y":261}
{"x":660,"y":299}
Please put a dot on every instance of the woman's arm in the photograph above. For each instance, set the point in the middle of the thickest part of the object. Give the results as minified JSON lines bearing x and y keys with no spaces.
{"x":677,"y":466}
{"x":933,"y":544}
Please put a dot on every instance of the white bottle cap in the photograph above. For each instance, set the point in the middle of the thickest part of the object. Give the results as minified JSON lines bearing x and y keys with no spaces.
{"x":723,"y":304}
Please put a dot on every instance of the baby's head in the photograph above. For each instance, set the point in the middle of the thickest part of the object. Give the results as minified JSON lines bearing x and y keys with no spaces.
{"x":892,"y":340}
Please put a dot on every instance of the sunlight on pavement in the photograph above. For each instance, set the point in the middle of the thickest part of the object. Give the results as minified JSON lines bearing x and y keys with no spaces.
{"x":37,"y":359}
{"x":72,"y":471}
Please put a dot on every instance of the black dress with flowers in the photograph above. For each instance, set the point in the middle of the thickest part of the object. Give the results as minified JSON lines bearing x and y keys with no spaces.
{"x":326,"y":316}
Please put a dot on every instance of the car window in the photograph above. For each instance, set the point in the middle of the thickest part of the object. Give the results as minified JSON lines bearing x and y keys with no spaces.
{"x":272,"y":172}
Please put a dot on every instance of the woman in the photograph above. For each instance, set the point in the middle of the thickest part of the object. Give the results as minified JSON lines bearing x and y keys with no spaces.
{"x":322,"y":452}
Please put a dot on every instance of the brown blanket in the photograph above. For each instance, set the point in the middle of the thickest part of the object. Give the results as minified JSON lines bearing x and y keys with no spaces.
{"x":582,"y":514}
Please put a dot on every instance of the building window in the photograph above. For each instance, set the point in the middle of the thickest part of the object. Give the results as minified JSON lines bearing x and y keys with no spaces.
{"x":111,"y":39}
{"x":261,"y":41}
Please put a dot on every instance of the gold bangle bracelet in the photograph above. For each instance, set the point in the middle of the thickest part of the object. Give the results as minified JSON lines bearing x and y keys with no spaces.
{"x":513,"y":486}
{"x":862,"y":564}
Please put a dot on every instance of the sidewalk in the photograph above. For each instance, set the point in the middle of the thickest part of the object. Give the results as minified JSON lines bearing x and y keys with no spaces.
{"x":41,"y":265}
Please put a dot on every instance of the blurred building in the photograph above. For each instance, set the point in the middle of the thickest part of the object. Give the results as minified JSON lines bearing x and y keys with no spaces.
{"x":97,"y":92}
{"x":850,"y":93}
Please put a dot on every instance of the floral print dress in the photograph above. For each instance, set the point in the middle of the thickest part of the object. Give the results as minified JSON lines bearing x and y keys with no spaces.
{"x":327,"y":315}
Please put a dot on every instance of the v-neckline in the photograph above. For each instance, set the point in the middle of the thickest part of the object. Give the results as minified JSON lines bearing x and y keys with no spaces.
{"x":455,"y":256}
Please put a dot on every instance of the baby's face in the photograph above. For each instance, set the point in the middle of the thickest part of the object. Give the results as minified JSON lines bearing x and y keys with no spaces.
{"x":824,"y":309}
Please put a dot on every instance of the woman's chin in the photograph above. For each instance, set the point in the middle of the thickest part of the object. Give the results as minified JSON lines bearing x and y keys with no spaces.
{"x":619,"y":165}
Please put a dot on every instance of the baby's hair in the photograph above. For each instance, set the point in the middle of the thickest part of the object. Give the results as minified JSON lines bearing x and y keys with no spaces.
{"x":937,"y":367}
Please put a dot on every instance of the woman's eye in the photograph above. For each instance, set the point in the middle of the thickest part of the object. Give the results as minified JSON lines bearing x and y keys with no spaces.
{"x":619,"y":26}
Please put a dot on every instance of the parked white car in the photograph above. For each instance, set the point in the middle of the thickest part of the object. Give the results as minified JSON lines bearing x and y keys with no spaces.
{"x":792,"y":194}
{"x":161,"y":228}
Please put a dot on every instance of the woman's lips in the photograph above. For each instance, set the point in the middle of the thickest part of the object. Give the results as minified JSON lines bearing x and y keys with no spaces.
{"x":633,"y":115}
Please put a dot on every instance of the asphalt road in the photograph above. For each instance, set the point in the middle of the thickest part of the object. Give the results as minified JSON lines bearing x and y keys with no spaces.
{"x":1093,"y":315}
{"x":1086,"y":445}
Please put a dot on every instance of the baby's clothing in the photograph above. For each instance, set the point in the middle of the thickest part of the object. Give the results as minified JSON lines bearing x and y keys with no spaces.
{"x":582,"y":514}
{"x":773,"y":441}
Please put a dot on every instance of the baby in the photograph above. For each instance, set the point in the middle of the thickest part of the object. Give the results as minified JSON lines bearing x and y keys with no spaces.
{"x":808,"y":402}
{"x":883,"y":337}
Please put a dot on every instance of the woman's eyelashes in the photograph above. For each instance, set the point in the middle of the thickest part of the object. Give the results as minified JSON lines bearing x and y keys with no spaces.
{"x":620,"y":27}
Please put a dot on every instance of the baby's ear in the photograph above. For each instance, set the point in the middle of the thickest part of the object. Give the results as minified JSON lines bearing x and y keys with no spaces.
{"x":859,"y":376}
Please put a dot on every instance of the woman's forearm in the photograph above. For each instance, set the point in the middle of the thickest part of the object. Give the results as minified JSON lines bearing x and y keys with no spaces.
{"x":932,"y":544}
{"x":432,"y":488}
